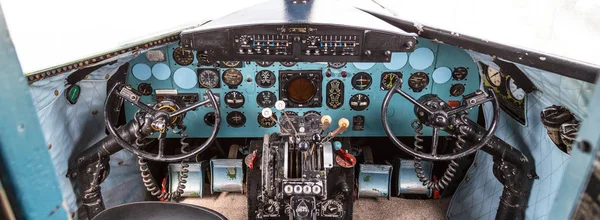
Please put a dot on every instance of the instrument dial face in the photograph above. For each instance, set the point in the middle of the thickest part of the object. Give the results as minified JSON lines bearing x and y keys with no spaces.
{"x":234,"y":99}
{"x":183,"y":57}
{"x":287,"y":64}
{"x":494,"y":76}
{"x":236,"y":119}
{"x":210,"y":119}
{"x":264,"y":63}
{"x":515,"y":91}
{"x":203,"y":59}
{"x":361,"y":81}
{"x":232,"y":77}
{"x":266,"y":122}
{"x":265,"y":79}
{"x":145,"y":88}
{"x":231,"y":64}
{"x":266,"y":99}
{"x":388,"y":79}
{"x":335,"y":94}
{"x":457,"y":90}
{"x":337,"y":65}
{"x":208,"y":78}
{"x":359,"y":102}
{"x":460,"y":73}
{"x":418,"y":81}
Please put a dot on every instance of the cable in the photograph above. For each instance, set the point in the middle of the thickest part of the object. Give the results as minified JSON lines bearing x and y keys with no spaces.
{"x":452,"y":167}
{"x":154,"y":189}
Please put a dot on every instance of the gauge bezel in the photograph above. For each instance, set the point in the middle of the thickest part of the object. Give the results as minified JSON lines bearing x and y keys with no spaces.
{"x":487,"y":76}
{"x":228,"y":64}
{"x":232,"y":71}
{"x":270,"y":63}
{"x":288,"y":63}
{"x":359,"y":108}
{"x":369,"y":82}
{"x":418,"y":88}
{"x":176,"y":50}
{"x":508,"y":83}
{"x":459,"y":85}
{"x":229,"y":119}
{"x":260,"y":118}
{"x":456,"y":75}
{"x":217,"y":75}
{"x":235,"y":105}
{"x":259,"y":76}
{"x":259,"y":95}
{"x":337,"y":65}
{"x":382,"y":86}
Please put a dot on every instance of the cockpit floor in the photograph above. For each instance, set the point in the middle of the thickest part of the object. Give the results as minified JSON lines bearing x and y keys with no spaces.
{"x":234,"y":206}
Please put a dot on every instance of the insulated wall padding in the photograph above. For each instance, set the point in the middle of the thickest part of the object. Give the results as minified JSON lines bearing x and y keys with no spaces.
{"x":478,"y":197}
{"x":69,"y":129}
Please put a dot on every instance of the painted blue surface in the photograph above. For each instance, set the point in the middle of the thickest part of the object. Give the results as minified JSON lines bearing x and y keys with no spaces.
{"x":421,"y":58}
{"x":185,"y":78}
{"x":374,"y":180}
{"x":141,"y":71}
{"x":441,"y":75}
{"x":580,"y":167}
{"x":27,"y":171}
{"x":398,"y":61}
{"x":161,"y":71}
{"x":400,"y":109}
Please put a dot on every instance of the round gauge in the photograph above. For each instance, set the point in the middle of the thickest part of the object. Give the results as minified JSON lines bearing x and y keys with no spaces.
{"x":418,"y":81}
{"x":266,"y":122}
{"x":290,"y":113}
{"x":457,"y":90}
{"x":388,"y":79}
{"x":493,"y":76}
{"x":145,"y":88}
{"x":230,"y":63}
{"x":359,"y":102}
{"x":236,"y":119}
{"x":209,"y":119}
{"x":337,"y":65}
{"x":266,"y":99}
{"x":460,"y":73}
{"x":265,"y":78}
{"x":208,"y":78}
{"x":312,"y":112}
{"x":234,"y":99}
{"x":183,"y":57}
{"x":232,"y":77}
{"x":203,"y":59}
{"x":287,"y":64}
{"x":301,"y":90}
{"x":264,"y":63}
{"x":361,"y":81}
{"x":515,"y":91}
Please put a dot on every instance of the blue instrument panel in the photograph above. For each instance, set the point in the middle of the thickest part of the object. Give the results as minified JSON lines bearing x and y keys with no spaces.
{"x":442,"y":65}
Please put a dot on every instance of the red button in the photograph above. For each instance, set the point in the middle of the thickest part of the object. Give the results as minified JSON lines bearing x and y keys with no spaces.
{"x":453,"y":103}
{"x":344,"y":74}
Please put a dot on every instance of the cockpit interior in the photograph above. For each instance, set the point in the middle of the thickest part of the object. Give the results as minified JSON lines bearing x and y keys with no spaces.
{"x":285,"y":110}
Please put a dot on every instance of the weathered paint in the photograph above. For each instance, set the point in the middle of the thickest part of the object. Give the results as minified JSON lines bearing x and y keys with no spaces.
{"x":28,"y":174}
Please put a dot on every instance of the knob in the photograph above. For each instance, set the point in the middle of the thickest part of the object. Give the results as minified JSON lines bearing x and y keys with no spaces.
{"x":337,"y":145}
{"x":280,"y":105}
{"x":325,"y":121}
{"x":368,"y":52}
{"x":303,"y":146}
{"x":317,"y":138}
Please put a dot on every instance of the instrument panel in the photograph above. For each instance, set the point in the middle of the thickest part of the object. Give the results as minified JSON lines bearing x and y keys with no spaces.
{"x":353,"y":90}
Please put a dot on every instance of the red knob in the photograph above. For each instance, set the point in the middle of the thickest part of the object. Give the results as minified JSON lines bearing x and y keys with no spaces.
{"x":344,"y":74}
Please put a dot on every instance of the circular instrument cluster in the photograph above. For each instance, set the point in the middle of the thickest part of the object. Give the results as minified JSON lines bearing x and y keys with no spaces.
{"x":234,"y":99}
{"x":232,"y":77}
{"x":388,"y":79}
{"x":183,"y":57}
{"x":361,"y":81}
{"x":265,"y":79}
{"x":208,"y":78}
{"x":418,"y":81}
{"x":236,"y":119}
{"x":359,"y":102}
{"x":266,"y":99}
